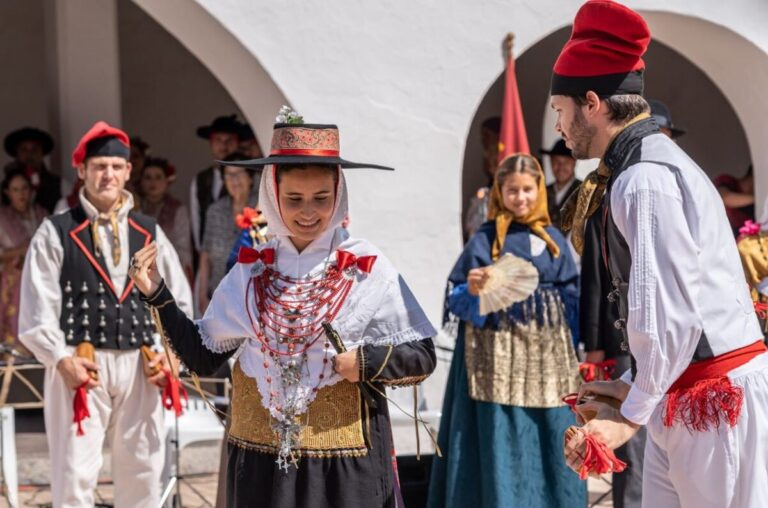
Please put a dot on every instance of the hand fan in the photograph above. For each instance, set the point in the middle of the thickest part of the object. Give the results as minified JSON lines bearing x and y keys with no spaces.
{"x":510,"y":279}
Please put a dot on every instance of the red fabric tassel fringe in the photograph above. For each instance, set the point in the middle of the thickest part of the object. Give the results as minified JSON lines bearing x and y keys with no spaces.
{"x":173,"y":392}
{"x":80,"y":407}
{"x":704,"y":405}
{"x":599,"y":459}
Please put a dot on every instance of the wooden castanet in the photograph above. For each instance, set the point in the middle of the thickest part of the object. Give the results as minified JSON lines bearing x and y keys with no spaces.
{"x":87,"y":351}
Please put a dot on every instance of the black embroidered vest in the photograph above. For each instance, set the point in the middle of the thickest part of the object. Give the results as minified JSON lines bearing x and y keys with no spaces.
{"x":624,"y":152}
{"x":91,"y":311}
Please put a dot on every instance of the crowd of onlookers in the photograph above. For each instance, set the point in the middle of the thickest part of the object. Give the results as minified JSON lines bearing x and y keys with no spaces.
{"x":202,"y":232}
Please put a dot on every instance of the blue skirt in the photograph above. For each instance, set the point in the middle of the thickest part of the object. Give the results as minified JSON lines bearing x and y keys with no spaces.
{"x":500,"y":456}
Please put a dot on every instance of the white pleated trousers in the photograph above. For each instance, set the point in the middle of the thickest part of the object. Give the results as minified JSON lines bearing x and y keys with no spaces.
{"x":126,"y":409}
{"x":722,"y":468}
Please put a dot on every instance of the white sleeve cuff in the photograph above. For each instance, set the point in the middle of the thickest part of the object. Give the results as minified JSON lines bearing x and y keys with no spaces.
{"x":626,"y":378}
{"x":762,"y":287}
{"x":638,"y":406}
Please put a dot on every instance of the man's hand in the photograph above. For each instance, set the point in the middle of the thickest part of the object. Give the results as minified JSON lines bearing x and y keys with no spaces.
{"x":76,"y":371}
{"x":617,"y":389}
{"x":161,"y":362}
{"x":347,"y":366}
{"x":609,"y":427}
{"x":595,"y":356}
{"x":476,"y":279}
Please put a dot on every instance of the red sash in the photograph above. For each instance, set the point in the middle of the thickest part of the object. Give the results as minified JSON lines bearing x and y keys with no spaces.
{"x":703,"y":396}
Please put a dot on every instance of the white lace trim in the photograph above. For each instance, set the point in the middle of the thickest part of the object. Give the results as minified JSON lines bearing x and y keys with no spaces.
{"x":420,"y":331}
{"x":219,"y":345}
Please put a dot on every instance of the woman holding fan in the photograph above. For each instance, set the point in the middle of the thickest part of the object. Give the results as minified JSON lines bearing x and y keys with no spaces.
{"x":503,"y":420}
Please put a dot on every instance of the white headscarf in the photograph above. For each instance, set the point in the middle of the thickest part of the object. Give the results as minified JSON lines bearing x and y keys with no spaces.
{"x":269,"y":203}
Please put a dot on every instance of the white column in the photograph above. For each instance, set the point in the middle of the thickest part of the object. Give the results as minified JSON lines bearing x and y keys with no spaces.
{"x":83,"y":70}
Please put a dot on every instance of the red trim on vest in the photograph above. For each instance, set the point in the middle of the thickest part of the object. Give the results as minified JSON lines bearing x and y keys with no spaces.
{"x":147,"y":240}
{"x":73,"y":234}
{"x":704,"y":396}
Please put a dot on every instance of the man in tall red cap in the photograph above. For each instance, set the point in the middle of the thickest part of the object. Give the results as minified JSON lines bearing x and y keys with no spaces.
{"x":82,"y":318}
{"x":699,"y":376}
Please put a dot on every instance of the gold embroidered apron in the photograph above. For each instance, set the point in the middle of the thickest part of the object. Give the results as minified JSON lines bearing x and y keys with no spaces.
{"x":331,"y":427}
{"x":523,"y":364}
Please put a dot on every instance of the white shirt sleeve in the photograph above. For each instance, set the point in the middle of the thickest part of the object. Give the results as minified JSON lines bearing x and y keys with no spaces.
{"x":194,"y":213}
{"x":173,"y":273}
{"x":663,"y":324}
{"x":40,"y":303}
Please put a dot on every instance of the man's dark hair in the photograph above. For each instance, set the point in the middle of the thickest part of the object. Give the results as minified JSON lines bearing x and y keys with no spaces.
{"x":621,"y":108}
{"x":492,"y":124}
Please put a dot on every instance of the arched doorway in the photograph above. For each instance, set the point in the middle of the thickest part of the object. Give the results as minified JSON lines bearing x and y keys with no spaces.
{"x":700,"y":102}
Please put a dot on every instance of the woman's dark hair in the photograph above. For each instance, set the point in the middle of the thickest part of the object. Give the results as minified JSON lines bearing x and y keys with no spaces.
{"x":11,"y":173}
{"x":159,"y":162}
{"x":622,"y":108}
{"x":281,"y":169}
{"x":236,"y":157}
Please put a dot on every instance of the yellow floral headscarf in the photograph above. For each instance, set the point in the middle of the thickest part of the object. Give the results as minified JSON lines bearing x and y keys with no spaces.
{"x":537,"y":220}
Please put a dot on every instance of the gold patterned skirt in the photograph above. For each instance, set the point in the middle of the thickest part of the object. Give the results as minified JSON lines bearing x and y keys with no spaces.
{"x":331,"y":427}
{"x":522,"y":364}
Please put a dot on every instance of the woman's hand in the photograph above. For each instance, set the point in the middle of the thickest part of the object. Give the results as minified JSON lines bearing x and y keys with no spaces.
{"x":143,"y":270}
{"x":476,"y":279}
{"x":347,"y":366}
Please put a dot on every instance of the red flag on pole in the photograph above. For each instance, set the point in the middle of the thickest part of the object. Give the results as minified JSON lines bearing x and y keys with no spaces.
{"x":513,"y":138}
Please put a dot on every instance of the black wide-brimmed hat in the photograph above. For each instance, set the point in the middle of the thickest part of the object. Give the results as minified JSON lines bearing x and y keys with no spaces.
{"x":559,"y":148}
{"x":227,"y":124}
{"x":660,"y":113}
{"x":300,"y":143}
{"x":13,"y":139}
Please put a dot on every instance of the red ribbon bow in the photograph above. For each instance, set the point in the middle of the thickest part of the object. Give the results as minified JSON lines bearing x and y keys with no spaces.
{"x":173,"y":392}
{"x":80,"y":407}
{"x":346,"y":259}
{"x":248,"y":255}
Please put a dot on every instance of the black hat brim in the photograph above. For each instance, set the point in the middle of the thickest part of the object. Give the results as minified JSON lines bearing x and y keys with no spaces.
{"x":303,"y":160}
{"x":13,"y":139}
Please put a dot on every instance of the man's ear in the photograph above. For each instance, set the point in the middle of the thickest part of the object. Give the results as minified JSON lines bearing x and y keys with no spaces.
{"x":594,"y":104}
{"x":81,"y":171}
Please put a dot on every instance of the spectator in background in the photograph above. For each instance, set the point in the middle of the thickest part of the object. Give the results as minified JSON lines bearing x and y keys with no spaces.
{"x":564,"y":171}
{"x":221,"y":229}
{"x":139,"y":153}
{"x":170,"y":213}
{"x":477,"y":211}
{"x":739,"y":198}
{"x":19,"y":218}
{"x":223,"y":136}
{"x":28,"y":147}
{"x":249,"y":144}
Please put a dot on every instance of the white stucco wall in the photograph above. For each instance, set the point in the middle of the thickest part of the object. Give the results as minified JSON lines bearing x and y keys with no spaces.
{"x":404,"y":84}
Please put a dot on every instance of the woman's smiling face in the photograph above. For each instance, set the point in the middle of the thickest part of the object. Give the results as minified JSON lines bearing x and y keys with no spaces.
{"x":306,"y":197}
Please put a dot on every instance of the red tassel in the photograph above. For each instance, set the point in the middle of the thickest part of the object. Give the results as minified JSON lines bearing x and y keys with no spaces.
{"x":80,"y":407}
{"x":705,"y":405}
{"x":173,"y":392}
{"x":599,"y":459}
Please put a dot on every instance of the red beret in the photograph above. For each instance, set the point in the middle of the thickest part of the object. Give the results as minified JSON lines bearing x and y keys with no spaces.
{"x":604,"y":53}
{"x":98,"y":131}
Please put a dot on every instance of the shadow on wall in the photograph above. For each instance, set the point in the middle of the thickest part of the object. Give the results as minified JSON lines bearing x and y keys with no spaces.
{"x":715,"y":137}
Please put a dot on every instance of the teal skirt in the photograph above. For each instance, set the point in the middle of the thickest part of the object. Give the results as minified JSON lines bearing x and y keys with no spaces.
{"x":496,"y":455}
